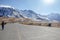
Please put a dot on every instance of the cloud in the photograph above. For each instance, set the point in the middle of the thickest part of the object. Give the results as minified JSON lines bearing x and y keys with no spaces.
{"x":7,"y":6}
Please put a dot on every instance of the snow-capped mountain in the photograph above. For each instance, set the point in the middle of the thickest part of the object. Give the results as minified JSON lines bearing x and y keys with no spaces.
{"x":32,"y":15}
{"x":54,"y":16}
{"x":8,"y":11}
{"x":28,"y":14}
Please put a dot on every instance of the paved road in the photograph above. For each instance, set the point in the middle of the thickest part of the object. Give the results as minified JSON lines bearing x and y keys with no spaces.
{"x":23,"y":32}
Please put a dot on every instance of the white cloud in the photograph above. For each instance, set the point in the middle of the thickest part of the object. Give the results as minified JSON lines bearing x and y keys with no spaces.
{"x":6,"y":6}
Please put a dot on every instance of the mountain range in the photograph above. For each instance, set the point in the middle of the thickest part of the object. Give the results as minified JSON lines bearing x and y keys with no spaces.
{"x":12,"y":12}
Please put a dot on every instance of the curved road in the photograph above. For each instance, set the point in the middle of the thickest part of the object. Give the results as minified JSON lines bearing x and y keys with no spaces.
{"x":24,"y":32}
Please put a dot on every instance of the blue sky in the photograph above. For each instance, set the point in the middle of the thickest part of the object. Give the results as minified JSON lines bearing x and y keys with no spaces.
{"x":39,"y":6}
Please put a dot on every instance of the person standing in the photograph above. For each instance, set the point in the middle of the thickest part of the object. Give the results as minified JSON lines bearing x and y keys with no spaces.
{"x":2,"y":25}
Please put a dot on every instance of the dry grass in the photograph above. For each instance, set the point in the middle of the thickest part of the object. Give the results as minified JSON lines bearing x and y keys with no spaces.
{"x":27,"y":21}
{"x":42,"y":24}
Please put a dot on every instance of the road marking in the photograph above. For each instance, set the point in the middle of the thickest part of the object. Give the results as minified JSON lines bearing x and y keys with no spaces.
{"x":19,"y":36}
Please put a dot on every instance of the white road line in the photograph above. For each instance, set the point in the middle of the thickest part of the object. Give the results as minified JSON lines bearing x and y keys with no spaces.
{"x":19,"y":35}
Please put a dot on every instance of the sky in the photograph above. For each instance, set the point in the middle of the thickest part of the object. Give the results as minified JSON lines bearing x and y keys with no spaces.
{"x":43,"y":7}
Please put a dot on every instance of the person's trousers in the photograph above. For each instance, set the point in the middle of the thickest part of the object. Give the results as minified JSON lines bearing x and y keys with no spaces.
{"x":2,"y":27}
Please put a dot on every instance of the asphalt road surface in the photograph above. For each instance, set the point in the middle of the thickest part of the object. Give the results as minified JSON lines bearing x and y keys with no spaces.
{"x":24,"y":32}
